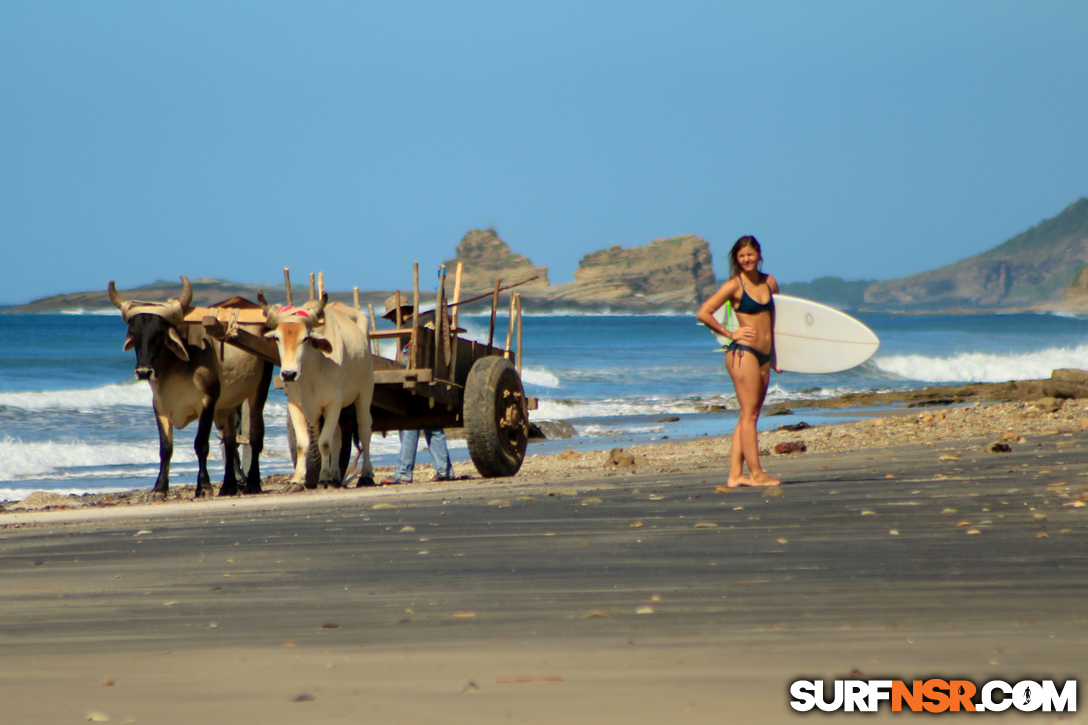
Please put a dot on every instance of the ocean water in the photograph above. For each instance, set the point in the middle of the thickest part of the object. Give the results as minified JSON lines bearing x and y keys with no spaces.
{"x":73,"y":419}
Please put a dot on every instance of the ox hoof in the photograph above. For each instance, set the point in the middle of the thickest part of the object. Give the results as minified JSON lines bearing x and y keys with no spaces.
{"x":232,"y":491}
{"x":365,"y":481}
{"x":252,"y":490}
{"x":295,"y":488}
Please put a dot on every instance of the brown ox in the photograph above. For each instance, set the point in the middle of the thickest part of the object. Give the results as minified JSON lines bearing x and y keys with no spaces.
{"x":326,"y":365}
{"x":193,"y":377}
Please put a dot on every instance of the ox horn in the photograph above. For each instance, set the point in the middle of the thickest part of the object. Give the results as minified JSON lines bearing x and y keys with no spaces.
{"x":270,"y":318}
{"x":320,"y":308}
{"x":175,"y":310}
{"x":116,"y":298}
{"x":186,"y":298}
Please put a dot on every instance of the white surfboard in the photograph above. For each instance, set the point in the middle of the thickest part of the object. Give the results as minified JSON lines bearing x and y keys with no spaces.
{"x":810,"y":337}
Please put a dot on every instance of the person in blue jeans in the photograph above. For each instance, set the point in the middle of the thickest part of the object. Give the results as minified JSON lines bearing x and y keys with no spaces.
{"x":409,"y":439}
{"x":436,"y":444}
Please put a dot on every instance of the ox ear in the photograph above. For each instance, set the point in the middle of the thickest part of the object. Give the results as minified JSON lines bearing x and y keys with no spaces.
{"x":321,"y":344}
{"x":175,"y":344}
{"x":130,"y":341}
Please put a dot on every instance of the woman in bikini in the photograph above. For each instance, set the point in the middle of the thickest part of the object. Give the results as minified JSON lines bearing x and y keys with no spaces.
{"x":750,"y":356}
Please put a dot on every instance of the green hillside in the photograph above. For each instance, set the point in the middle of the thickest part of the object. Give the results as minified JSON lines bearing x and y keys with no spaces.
{"x":833,"y":291}
{"x":1034,"y":267}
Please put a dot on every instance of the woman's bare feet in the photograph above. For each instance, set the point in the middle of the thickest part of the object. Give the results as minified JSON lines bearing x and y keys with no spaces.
{"x":738,"y":482}
{"x":761,"y":480}
{"x":764,"y":480}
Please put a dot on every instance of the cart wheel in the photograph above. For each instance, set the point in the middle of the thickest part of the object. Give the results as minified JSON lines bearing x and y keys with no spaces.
{"x":496,"y":424}
{"x":313,"y":464}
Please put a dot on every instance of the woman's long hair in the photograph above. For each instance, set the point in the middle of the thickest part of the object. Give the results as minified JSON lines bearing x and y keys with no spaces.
{"x":746,"y":241}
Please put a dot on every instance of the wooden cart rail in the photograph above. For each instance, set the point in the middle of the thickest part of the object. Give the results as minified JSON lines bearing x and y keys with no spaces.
{"x":438,"y":379}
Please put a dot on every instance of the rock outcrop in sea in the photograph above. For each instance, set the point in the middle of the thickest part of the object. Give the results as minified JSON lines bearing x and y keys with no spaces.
{"x":486,"y":258}
{"x":677,"y":272}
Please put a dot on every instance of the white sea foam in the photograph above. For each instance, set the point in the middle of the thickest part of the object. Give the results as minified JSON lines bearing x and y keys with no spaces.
{"x":19,"y":460}
{"x":558,"y":409}
{"x":597,"y":431}
{"x":976,"y":367}
{"x":579,"y":313}
{"x":776,"y":394}
{"x":618,"y":407}
{"x":275,"y":446}
{"x":80,"y":460}
{"x":1062,"y":313}
{"x":110,"y":312}
{"x":540,"y":377}
{"x":131,"y":393}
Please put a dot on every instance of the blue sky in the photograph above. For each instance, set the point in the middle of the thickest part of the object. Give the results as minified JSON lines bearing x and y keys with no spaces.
{"x":143,"y":140}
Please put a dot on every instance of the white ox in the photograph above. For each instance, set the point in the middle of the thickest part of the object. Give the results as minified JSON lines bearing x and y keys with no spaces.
{"x":326,"y":365}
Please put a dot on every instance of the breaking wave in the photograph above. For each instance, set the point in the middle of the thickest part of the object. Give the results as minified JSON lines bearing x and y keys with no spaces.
{"x":19,"y":460}
{"x":108,"y":396}
{"x":977,"y":367}
{"x":540,"y":377}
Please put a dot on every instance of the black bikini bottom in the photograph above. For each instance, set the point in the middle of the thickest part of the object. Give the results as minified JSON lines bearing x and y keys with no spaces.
{"x":762,"y":357}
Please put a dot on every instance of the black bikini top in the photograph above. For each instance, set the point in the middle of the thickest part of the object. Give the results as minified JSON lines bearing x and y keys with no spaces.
{"x":749,"y":306}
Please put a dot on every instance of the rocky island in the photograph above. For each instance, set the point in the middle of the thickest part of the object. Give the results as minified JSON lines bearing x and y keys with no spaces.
{"x":666,"y":274}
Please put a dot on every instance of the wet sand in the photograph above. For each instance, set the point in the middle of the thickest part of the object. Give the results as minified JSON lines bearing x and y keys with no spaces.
{"x":577,"y":594}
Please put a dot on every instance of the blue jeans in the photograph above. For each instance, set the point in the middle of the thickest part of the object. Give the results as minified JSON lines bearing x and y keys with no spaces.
{"x":436,"y":444}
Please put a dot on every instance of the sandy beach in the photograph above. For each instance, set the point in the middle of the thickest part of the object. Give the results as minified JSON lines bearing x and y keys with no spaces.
{"x":597,"y":587}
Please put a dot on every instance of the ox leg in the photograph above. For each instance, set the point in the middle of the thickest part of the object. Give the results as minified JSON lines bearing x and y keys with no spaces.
{"x":166,"y":452}
{"x":227,"y":424}
{"x":348,"y":434}
{"x":203,"y":433}
{"x":302,"y":446}
{"x":256,"y":431}
{"x":340,"y":445}
{"x":326,"y":443}
{"x":365,"y":422}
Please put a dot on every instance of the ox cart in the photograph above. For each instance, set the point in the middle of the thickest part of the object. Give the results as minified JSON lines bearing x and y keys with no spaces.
{"x":436,"y":378}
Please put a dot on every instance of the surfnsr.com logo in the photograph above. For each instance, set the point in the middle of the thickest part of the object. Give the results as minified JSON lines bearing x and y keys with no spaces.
{"x":934,"y":695}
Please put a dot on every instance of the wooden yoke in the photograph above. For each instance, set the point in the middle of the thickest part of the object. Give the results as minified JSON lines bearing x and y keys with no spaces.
{"x":227,"y":325}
